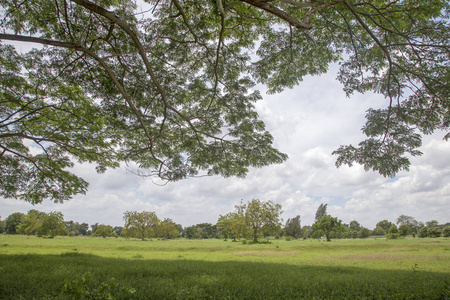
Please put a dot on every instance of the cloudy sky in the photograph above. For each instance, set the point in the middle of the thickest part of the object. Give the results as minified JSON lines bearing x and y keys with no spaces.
{"x":308,"y":123}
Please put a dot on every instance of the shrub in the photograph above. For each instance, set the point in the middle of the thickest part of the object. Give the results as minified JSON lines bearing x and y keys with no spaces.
{"x":423,"y":232}
{"x":378,"y":231}
{"x":433,"y":232}
{"x":289,"y":238}
{"x":446,"y":232}
{"x":403,"y":230}
{"x":364,"y":233}
{"x":393,"y":232}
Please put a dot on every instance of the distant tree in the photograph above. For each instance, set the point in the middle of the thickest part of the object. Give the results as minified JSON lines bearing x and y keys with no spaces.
{"x":378,"y":231}
{"x":2,"y":225}
{"x":354,"y":225}
{"x":410,"y":222}
{"x":206,"y":230}
{"x":233,"y":223}
{"x":262,"y":217}
{"x":52,"y":225}
{"x":140,"y":224}
{"x":118,"y":230}
{"x":103,"y":231}
{"x":423,"y":232}
{"x":321,"y":211}
{"x":432,"y":223}
{"x":76,"y":228}
{"x":446,"y":231}
{"x":31,"y":222}
{"x":190,"y":232}
{"x":179,"y":227}
{"x":385,"y":224}
{"x":12,"y":222}
{"x":326,"y":226}
{"x":83,"y":228}
{"x":364,"y":233}
{"x":70,"y":228}
{"x":167,"y":229}
{"x":224,"y":224}
{"x":306,"y":230}
{"x":94,"y":227}
{"x":434,"y":232}
{"x":293,"y":227}
{"x":404,"y":229}
{"x":393,"y":232}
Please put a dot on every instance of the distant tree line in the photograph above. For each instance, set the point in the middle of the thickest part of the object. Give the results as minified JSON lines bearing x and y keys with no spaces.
{"x":251,"y":221}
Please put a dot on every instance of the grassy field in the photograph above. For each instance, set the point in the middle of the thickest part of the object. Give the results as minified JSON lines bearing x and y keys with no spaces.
{"x":97,"y":268}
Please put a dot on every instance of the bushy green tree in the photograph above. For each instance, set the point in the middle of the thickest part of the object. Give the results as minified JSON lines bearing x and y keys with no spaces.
{"x":320,"y":212}
{"x":325,"y":226}
{"x":423,"y":232}
{"x":293,"y":227}
{"x":432,"y":223}
{"x":364,"y":233}
{"x":76,"y":228}
{"x":167,"y":229}
{"x":378,"y":231}
{"x":31,"y":222}
{"x":104,"y":231}
{"x":354,"y":225}
{"x":412,"y":224}
{"x":233,"y":223}
{"x":12,"y":222}
{"x":262,"y":218}
{"x":2,"y":225}
{"x":404,"y":229}
{"x":118,"y":230}
{"x":52,"y":225}
{"x":393,"y":232}
{"x":140,"y":224}
{"x":434,"y":232}
{"x":385,"y":224}
{"x":446,"y":231}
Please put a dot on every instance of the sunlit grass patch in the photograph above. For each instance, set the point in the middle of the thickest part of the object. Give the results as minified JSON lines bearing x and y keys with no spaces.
{"x":213,"y":269}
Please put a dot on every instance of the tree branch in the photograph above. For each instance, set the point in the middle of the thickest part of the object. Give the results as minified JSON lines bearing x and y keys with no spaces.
{"x":278,"y":13}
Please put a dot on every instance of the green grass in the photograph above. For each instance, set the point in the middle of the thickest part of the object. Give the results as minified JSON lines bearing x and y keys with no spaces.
{"x":95,"y":268}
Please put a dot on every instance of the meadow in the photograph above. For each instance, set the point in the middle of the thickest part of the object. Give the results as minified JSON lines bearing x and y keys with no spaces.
{"x":117,"y":268}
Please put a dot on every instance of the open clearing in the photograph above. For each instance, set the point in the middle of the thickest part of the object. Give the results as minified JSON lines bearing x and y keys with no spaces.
{"x":96,"y":268}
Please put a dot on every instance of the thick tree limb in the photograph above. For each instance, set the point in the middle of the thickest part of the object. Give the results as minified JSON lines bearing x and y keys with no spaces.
{"x":70,"y":45}
{"x":278,"y":13}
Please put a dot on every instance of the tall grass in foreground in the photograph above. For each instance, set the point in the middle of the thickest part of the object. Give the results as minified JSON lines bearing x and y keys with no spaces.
{"x":95,"y":268}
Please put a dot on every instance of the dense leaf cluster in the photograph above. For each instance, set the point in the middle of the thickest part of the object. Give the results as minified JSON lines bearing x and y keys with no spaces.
{"x":171,"y":90}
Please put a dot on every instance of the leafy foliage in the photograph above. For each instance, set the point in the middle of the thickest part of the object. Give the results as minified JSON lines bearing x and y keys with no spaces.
{"x":385,"y":225}
{"x":393,"y":232}
{"x":325,"y":226}
{"x":172,"y":91}
{"x":140,"y":224}
{"x":262,"y":217}
{"x":293,"y":227}
{"x":104,"y":231}
{"x":31,"y":222}
{"x":12,"y":222}
{"x":167,"y":229}
{"x":83,"y":289}
{"x":253,"y":219}
{"x":446,"y":231}
{"x":321,"y":212}
{"x":52,"y":225}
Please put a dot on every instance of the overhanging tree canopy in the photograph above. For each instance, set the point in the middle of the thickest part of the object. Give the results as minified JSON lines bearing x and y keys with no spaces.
{"x":171,"y":89}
